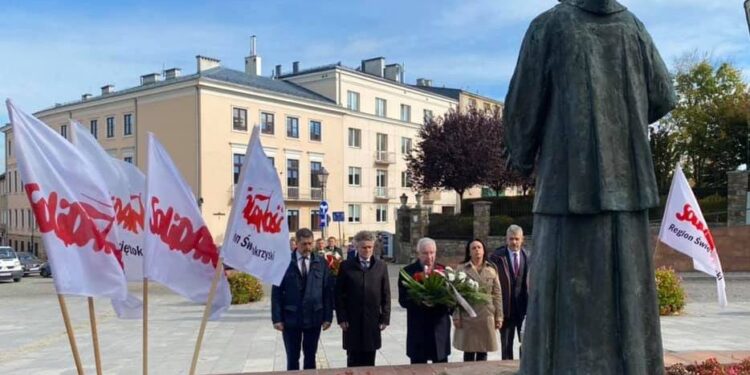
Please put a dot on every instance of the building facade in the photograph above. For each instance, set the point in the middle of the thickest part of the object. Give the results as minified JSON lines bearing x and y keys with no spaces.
{"x":357,"y":123}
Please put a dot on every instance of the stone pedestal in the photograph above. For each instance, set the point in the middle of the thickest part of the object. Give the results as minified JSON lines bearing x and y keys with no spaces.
{"x":737,"y":198}
{"x":482,"y":220}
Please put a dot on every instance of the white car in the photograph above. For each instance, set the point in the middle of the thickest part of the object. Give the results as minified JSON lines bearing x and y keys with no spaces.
{"x":10,"y":265}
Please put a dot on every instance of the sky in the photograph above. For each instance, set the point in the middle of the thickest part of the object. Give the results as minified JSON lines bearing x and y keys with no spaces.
{"x":54,"y":51}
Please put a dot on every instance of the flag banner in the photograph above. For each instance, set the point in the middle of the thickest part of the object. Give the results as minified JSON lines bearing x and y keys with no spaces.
{"x":684,"y":229}
{"x":257,"y":235}
{"x":127,"y":185}
{"x":179,"y":251}
{"x":73,"y":210}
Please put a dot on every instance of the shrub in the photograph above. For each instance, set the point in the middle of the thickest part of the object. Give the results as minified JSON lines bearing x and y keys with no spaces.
{"x":244,"y":288}
{"x":446,"y":226}
{"x":670,"y":291}
{"x":710,"y":366}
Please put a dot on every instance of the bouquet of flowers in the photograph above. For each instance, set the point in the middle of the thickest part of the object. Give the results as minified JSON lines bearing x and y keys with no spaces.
{"x":444,"y":286}
{"x":333,"y":260}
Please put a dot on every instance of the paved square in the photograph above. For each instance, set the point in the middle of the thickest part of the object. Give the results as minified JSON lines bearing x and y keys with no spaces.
{"x":33,"y":339}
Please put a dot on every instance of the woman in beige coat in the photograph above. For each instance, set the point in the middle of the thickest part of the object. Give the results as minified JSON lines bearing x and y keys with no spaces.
{"x":477,"y":336}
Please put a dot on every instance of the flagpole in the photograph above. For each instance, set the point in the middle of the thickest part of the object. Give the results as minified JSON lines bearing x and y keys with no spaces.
{"x":71,"y":335}
{"x":95,"y":336}
{"x":206,"y":313}
{"x":145,"y":326}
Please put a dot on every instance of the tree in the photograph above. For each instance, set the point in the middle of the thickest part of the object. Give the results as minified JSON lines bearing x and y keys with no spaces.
{"x":711,"y":120}
{"x":665,"y":153}
{"x":453,"y":151}
{"x":499,"y":176}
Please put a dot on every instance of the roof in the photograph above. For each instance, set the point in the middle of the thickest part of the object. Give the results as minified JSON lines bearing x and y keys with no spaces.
{"x":328,"y":67}
{"x":453,"y":93}
{"x":219,"y":74}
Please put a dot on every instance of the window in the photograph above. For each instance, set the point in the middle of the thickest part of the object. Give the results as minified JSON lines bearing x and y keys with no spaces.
{"x":270,"y":158}
{"x":127,"y":124}
{"x":405,"y":145}
{"x":354,"y":213}
{"x":355,"y":176}
{"x":237,"y":160}
{"x":239,"y":119}
{"x":427,"y":115}
{"x":128,"y":159}
{"x":472,"y":103}
{"x":314,"y":220}
{"x":380,"y":107}
{"x":292,"y":173}
{"x":292,"y":127}
{"x":355,"y":137}
{"x":64,"y":131}
{"x":487,"y":107}
{"x":382,"y":142}
{"x":405,"y":113}
{"x":292,"y":217}
{"x":352,"y":100}
{"x":94,"y":126}
{"x":381,"y":213}
{"x":266,"y":123}
{"x":316,"y":131}
{"x":314,"y":170}
{"x":405,"y":179}
{"x":110,"y":127}
{"x":381,"y":178}
{"x":9,"y":148}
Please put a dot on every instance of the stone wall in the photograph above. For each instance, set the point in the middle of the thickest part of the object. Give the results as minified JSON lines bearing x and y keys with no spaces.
{"x":732,"y":243}
{"x":737,"y":205}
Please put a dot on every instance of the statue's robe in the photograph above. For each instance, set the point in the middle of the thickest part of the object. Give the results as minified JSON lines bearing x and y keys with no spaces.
{"x":588,"y":82}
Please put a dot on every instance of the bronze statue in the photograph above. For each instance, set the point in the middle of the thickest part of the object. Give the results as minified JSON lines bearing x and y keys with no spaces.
{"x":588,"y":82}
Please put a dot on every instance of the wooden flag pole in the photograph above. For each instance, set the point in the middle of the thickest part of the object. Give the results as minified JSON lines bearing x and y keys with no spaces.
{"x":71,"y":335}
{"x":95,"y":336}
{"x":145,"y":326}
{"x":206,"y":313}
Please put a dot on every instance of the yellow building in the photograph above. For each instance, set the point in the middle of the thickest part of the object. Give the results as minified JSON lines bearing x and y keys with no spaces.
{"x":357,"y":123}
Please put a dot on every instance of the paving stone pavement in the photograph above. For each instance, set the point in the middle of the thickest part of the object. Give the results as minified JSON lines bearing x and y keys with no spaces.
{"x":33,"y":340}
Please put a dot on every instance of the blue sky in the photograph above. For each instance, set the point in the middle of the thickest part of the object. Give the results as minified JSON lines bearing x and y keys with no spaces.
{"x":54,"y":51}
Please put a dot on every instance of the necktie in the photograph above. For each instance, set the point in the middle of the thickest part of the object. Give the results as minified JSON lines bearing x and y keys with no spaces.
{"x":365,"y":264}
{"x":304,"y":267}
{"x":515,"y":264}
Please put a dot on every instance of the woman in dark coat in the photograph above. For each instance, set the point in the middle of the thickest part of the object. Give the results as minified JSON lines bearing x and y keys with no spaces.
{"x":363,"y":302}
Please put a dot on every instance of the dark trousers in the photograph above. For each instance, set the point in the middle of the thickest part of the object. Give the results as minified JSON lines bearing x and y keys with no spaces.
{"x":507,"y":334}
{"x":416,"y":360}
{"x":475,"y":356}
{"x":360,"y":359}
{"x":296,"y":339}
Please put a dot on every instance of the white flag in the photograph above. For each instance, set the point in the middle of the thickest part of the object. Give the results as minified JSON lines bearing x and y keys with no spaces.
{"x":73,"y":210}
{"x":127,"y":186}
{"x":179,"y":251}
{"x":257,"y":235}
{"x":684,"y":229}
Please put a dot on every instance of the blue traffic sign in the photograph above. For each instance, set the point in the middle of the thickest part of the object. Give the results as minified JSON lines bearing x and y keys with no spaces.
{"x":338,"y":216}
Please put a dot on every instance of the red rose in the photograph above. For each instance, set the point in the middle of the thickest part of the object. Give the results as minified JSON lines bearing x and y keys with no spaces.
{"x":419,"y":277}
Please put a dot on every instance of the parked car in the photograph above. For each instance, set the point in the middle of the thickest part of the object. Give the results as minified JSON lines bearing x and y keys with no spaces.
{"x":45,"y":270}
{"x":10,"y":265}
{"x":31,"y":264}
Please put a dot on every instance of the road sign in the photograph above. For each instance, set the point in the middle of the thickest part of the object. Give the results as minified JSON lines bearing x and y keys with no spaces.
{"x":338,"y":216}
{"x":323,"y":207}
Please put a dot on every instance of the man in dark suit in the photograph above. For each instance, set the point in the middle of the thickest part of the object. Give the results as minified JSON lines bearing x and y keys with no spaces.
{"x":363,"y":302}
{"x":428,"y":328}
{"x":513,"y":270}
{"x":303,"y":303}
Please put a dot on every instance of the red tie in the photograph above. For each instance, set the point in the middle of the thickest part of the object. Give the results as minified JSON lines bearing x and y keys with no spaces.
{"x":515,"y":263}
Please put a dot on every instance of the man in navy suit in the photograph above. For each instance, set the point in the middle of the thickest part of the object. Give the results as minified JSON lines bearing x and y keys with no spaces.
{"x":303,"y":304}
{"x":513,"y":272}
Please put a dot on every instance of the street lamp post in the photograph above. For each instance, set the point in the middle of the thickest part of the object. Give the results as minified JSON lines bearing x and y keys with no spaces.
{"x":323,"y":179}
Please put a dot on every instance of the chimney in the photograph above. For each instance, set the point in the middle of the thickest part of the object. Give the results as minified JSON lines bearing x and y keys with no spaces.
{"x":393,"y":72}
{"x":277,"y":72}
{"x":374,"y":66}
{"x":86,"y":96}
{"x":108,"y":89}
{"x":295,"y":67}
{"x":253,"y":62}
{"x":205,"y":63}
{"x":172,"y":73}
{"x":150,"y":78}
{"x":424,"y":82}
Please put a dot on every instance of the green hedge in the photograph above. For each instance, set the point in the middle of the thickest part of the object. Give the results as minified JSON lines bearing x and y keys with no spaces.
{"x":713,"y":207}
{"x":670,"y":291}
{"x":447,"y":226}
{"x":244,"y":288}
{"x":499,"y":224}
{"x":516,"y":206}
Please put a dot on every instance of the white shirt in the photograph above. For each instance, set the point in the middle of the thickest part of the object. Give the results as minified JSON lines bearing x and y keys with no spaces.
{"x":301,"y":261}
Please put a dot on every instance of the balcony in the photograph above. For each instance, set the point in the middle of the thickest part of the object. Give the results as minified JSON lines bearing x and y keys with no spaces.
{"x":385,"y":193}
{"x":296,"y":193}
{"x":385,"y":157}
